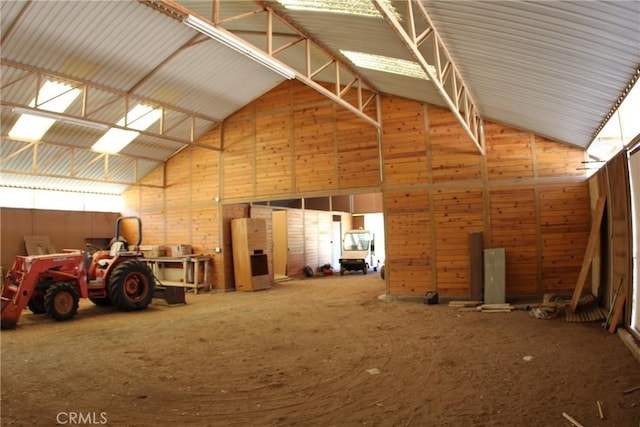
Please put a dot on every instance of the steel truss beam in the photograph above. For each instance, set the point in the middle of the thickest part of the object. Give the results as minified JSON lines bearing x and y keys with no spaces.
{"x":444,"y":75}
{"x":90,"y":107}
{"x":75,"y":167}
{"x":366,"y":94}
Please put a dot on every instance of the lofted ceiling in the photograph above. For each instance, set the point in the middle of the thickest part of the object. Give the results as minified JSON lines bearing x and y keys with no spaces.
{"x":554,"y":68}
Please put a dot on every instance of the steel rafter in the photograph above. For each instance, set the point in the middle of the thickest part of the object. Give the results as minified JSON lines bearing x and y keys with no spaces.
{"x":75,"y":167}
{"x":366,"y":94}
{"x":89,"y":107}
{"x":441,"y":71}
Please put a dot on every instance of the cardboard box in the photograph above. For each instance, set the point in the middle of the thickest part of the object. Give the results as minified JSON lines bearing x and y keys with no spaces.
{"x":151,"y":251}
{"x":180,"y":250}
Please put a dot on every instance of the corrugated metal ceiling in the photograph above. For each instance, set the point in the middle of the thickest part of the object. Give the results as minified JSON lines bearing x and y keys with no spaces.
{"x":554,"y":68}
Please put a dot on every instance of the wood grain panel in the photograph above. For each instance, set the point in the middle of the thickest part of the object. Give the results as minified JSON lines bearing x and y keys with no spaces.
{"x":555,"y":159}
{"x":295,"y":227}
{"x":357,"y":146}
{"x":508,"y":152}
{"x":178,"y":227}
{"x":273,"y":154}
{"x":454,"y":156}
{"x":564,"y":218}
{"x":311,"y":232}
{"x":239,"y":157}
{"x":204,"y":175}
{"x":457,"y":213}
{"x":408,"y":239}
{"x":404,"y":142}
{"x":513,"y":227}
{"x":315,"y":162}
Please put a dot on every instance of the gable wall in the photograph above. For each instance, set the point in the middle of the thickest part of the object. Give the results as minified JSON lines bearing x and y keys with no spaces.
{"x":525,"y":195}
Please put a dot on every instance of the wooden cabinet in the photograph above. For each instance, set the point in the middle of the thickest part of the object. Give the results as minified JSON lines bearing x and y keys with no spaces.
{"x":250,"y":263}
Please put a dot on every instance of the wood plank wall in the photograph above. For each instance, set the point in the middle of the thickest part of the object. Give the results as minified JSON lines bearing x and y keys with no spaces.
{"x":65,"y":229}
{"x":612,"y":181}
{"x":525,"y":195}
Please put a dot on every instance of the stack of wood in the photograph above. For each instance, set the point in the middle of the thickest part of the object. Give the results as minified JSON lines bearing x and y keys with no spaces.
{"x":587,"y":310}
{"x":479,"y":306}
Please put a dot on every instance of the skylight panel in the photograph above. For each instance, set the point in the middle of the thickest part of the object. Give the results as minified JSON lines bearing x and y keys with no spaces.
{"x":141,"y":117}
{"x":53,"y":96}
{"x":343,"y":7}
{"x":387,"y":64}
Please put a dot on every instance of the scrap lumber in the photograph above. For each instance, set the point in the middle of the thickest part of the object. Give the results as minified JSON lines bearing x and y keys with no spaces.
{"x":571,"y":420}
{"x":496,"y":308}
{"x":587,"y":310}
{"x":617,"y":311}
{"x":592,"y":245}
{"x":600,"y":409}
{"x":457,"y":303}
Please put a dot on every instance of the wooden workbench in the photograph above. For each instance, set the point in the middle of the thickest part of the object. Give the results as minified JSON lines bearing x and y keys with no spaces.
{"x":191,"y":272}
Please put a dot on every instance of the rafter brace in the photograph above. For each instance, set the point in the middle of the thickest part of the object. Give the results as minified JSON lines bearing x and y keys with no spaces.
{"x":440,"y":68}
{"x":307,"y":76}
{"x":77,"y":170}
{"x":90,"y":109}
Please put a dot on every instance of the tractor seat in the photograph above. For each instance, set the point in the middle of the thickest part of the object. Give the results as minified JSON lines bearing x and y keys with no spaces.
{"x":102,"y":264}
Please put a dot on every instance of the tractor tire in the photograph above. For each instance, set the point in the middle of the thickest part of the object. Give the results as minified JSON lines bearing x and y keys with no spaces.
{"x":131,"y":286}
{"x":101,"y":302}
{"x":61,"y":301}
{"x":36,"y":303}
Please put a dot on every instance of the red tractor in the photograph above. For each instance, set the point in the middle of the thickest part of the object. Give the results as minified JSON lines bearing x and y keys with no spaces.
{"x":53,"y":284}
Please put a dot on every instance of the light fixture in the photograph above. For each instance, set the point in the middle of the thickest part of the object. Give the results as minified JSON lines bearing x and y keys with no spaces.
{"x":237,"y":45}
{"x":60,"y":117}
{"x":52,"y":97}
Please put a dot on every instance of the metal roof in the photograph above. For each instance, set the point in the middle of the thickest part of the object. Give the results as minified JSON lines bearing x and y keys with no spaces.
{"x":553,"y":68}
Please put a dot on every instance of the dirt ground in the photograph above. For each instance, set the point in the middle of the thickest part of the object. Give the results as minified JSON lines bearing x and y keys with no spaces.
{"x":317,"y":351}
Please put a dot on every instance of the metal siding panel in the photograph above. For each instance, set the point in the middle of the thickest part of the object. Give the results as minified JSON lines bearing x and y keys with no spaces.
{"x":554,"y":68}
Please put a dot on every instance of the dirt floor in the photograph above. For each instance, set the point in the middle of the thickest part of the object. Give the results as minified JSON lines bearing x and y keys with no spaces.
{"x":318,"y":351}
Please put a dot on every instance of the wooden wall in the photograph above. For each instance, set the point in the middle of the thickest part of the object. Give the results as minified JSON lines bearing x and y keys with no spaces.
{"x":612,"y":181}
{"x":65,"y":229}
{"x":525,"y":194}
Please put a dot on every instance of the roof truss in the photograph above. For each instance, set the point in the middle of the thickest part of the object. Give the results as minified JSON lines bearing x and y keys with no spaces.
{"x":355,"y":94}
{"x":422,"y":40}
{"x":79,"y":163}
{"x":175,"y":124}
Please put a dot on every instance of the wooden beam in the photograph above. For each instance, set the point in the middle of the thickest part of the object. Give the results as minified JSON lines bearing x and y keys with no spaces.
{"x":594,"y":238}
